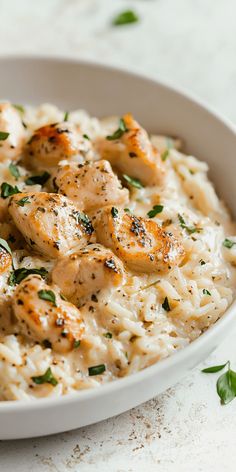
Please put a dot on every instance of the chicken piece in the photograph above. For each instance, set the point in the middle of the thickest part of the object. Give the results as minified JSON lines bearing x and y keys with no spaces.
{"x":89,"y":270}
{"x":140,"y":243}
{"x":10,"y":122}
{"x":44,"y":316}
{"x":52,"y":143}
{"x":50,"y":223}
{"x":5,"y":260}
{"x":92,"y":185}
{"x":132,"y":153}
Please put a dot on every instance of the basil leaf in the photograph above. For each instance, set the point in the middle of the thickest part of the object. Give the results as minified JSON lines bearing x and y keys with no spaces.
{"x":17,"y":275}
{"x":214,"y":368}
{"x":23,"y":201}
{"x":96,"y":369}
{"x":7,"y":190}
{"x":47,"y":295}
{"x":119,"y":132}
{"x":14,"y":171}
{"x":124,"y":18}
{"x":228,"y":243}
{"x":5,"y":245}
{"x":3,"y":135}
{"x":114,"y":212}
{"x":225,"y":388}
{"x":38,"y":179}
{"x":131,"y":181}
{"x":189,"y":229}
{"x":156,"y":209}
{"x":48,"y":377}
{"x":165,"y":305}
{"x":164,"y":155}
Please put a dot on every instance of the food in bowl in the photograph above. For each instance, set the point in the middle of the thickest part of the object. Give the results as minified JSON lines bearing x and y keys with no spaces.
{"x":115,"y":250}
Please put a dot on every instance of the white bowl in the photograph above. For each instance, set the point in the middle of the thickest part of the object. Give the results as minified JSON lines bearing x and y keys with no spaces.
{"x":102,"y":91}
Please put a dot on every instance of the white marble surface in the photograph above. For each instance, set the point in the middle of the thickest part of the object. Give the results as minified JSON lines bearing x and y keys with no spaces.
{"x":191,"y":43}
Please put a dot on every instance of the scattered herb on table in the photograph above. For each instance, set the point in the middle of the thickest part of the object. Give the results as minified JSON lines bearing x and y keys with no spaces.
{"x":47,"y":295}
{"x":119,"y":132}
{"x":48,"y":377}
{"x":125,"y":17}
{"x":13,"y":169}
{"x":155,"y":210}
{"x":7,"y":190}
{"x":133,"y":182}
{"x":226,"y":383}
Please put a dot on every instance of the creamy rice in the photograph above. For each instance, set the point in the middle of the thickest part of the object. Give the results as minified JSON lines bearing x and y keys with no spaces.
{"x":141,"y":331}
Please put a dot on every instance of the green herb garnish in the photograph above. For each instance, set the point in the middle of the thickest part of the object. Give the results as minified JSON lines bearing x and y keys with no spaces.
{"x":7,"y":190}
{"x":48,"y":377}
{"x":66,"y":116}
{"x":38,"y":179}
{"x":17,"y":275}
{"x":96,"y":369}
{"x":131,"y":181}
{"x":202,"y":262}
{"x":226,"y":383}
{"x":76,"y":344}
{"x":114,"y":212}
{"x":85,"y":136}
{"x":164,"y":155}
{"x":206,"y":292}
{"x":47,"y":295}
{"x":3,"y":135}
{"x":119,"y":132}
{"x":228,"y":243}
{"x":20,"y":108}
{"x":23,"y":201}
{"x":5,"y":245}
{"x":107,"y":335}
{"x":189,"y":229}
{"x":14,"y":171}
{"x":155,"y":210}
{"x":83,"y":219}
{"x":165,"y":305}
{"x":125,"y":17}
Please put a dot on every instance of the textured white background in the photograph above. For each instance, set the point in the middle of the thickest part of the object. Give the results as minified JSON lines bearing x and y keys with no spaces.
{"x":191,"y":43}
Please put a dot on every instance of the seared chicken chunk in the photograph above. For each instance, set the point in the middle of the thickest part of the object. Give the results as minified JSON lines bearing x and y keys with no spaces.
{"x":44,"y":316}
{"x":89,"y":270}
{"x":132,"y":153}
{"x":50,"y":223}
{"x":91,"y":185}
{"x":52,"y":143}
{"x":5,"y":260}
{"x":140,"y":243}
{"x":12,"y":132}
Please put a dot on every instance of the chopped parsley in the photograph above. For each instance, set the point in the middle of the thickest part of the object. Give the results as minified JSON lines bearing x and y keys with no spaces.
{"x":48,"y":377}
{"x":107,"y":335}
{"x":47,"y":295}
{"x":76,"y":344}
{"x":165,"y":305}
{"x":133,"y":182}
{"x":125,"y":17}
{"x":206,"y":292}
{"x":17,"y":275}
{"x":66,"y":116}
{"x":228,"y":243}
{"x":155,"y":210}
{"x":164,"y":155}
{"x":19,"y":108}
{"x":119,"y":132}
{"x":3,"y":135}
{"x":85,"y":136}
{"x":83,"y":219}
{"x":96,"y":369}
{"x":189,"y":229}
{"x":7,"y":190}
{"x":23,"y":201}
{"x":13,"y":169}
{"x":5,"y":245}
{"x":38,"y":179}
{"x":226,"y":383}
{"x":114,"y":212}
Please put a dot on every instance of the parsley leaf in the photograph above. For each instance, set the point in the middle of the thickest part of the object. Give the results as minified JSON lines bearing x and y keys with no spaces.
{"x":3,"y":135}
{"x":47,"y":295}
{"x":228,"y":243}
{"x":14,"y":171}
{"x":131,"y":181}
{"x":125,"y":17}
{"x":23,"y":201}
{"x":165,"y":305}
{"x":48,"y":377}
{"x":155,"y":210}
{"x":5,"y":245}
{"x":17,"y":275}
{"x":206,"y":292}
{"x":7,"y":190}
{"x":85,"y":136}
{"x":119,"y":132}
{"x":38,"y":179}
{"x":189,"y":229}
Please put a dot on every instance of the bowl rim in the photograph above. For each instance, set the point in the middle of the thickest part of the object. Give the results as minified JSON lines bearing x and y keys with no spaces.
{"x":189,"y":350}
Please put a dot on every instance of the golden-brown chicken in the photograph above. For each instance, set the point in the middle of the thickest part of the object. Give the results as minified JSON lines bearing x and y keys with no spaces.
{"x":90,"y":185}
{"x":91,"y":269}
{"x":50,"y":223}
{"x":12,"y":133}
{"x":5,"y":260}
{"x":132,"y":153}
{"x":52,"y":143}
{"x":45,"y":317}
{"x":140,"y":243}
